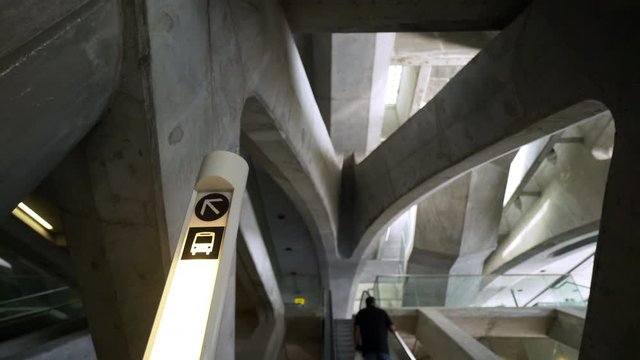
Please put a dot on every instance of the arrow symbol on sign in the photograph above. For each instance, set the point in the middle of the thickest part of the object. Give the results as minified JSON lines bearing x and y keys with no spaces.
{"x":209,"y":204}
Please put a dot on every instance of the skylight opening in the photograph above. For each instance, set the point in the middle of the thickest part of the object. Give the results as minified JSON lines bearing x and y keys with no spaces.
{"x":393,"y":84}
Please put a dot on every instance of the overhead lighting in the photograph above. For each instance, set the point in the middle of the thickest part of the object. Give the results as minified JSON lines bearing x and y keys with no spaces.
{"x":393,"y":84}
{"x":33,"y":220}
{"x":34,"y":215}
{"x":5,"y":263}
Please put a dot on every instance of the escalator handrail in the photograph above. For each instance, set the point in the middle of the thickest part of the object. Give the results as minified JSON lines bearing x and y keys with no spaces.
{"x":404,"y":346}
{"x":31,"y":296}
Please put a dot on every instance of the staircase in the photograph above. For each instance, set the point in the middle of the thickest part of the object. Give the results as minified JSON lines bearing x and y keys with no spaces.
{"x":391,"y":249}
{"x":343,"y":336}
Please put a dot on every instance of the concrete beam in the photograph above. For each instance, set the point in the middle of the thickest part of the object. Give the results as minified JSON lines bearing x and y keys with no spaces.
{"x":502,"y":322}
{"x":530,"y":261}
{"x":532,"y":169}
{"x":443,"y":339}
{"x":359,"y":64}
{"x":439,"y":49}
{"x":567,"y":327}
{"x":489,"y":109}
{"x":405,"y":16}
{"x":612,"y":315}
{"x":58,"y":66}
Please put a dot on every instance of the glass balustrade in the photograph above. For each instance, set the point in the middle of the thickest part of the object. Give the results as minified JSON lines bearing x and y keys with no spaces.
{"x":34,"y":304}
{"x":477,"y":291}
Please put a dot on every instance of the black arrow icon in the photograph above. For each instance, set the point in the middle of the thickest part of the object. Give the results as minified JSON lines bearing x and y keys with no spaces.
{"x":212,"y":207}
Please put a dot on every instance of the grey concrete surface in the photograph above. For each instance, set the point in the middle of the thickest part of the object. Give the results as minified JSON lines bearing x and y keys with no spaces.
{"x":76,"y":346}
{"x":443,"y":339}
{"x":406,"y":16}
{"x":502,"y":322}
{"x":108,"y":190}
{"x":267,"y":339}
{"x":457,"y":225}
{"x":439,"y":49}
{"x":568,"y":326}
{"x":532,"y":260}
{"x":524,"y":84}
{"x":571,"y":186}
{"x":482,"y":217}
{"x":301,"y":157}
{"x":129,"y":178}
{"x":439,"y":225}
{"x":196,"y":106}
{"x":423,"y":153}
{"x":358,"y":65}
{"x":57,"y":71}
{"x":299,"y":273}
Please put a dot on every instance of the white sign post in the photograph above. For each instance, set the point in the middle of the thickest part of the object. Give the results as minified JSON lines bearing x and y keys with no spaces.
{"x":188,"y":319}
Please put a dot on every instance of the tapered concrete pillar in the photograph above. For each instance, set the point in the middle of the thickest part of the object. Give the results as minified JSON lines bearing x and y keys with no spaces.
{"x":482,"y":217}
{"x":613,"y":315}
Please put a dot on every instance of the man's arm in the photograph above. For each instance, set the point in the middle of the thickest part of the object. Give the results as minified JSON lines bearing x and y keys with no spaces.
{"x":357,"y":337}
{"x":390,"y":325}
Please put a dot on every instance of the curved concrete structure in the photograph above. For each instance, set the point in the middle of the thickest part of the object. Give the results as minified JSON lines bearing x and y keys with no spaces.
{"x":263,"y":85}
{"x":198,"y":75}
{"x":59,"y":64}
{"x":535,"y":78}
{"x":500,"y":101}
{"x":282,"y":119}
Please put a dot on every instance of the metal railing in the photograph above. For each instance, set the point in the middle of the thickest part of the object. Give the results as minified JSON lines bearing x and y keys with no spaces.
{"x":329,"y":341}
{"x":399,"y":349}
{"x":38,"y":310}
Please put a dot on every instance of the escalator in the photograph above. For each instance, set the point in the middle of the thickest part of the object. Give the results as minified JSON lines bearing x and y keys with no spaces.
{"x":343,"y":333}
{"x":398,"y":348}
{"x":34,"y":312}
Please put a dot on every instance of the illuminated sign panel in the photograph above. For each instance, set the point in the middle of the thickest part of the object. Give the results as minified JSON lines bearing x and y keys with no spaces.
{"x":189,"y":315}
{"x":299,"y":301}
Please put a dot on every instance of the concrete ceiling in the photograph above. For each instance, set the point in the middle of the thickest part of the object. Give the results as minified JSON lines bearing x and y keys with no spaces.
{"x":400,"y":16}
{"x":288,"y":240}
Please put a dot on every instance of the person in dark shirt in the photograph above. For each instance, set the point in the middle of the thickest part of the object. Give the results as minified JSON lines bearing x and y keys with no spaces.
{"x":372,"y":324}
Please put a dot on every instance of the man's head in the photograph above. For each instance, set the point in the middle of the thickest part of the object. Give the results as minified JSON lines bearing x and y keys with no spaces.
{"x":370,"y":301}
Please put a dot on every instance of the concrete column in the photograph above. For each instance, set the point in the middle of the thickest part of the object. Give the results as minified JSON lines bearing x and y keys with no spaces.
{"x":343,"y":281}
{"x":482,"y":218}
{"x":439,"y":228}
{"x":359,"y":66}
{"x":114,"y":247}
{"x":611,"y":329}
{"x":59,"y":63}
